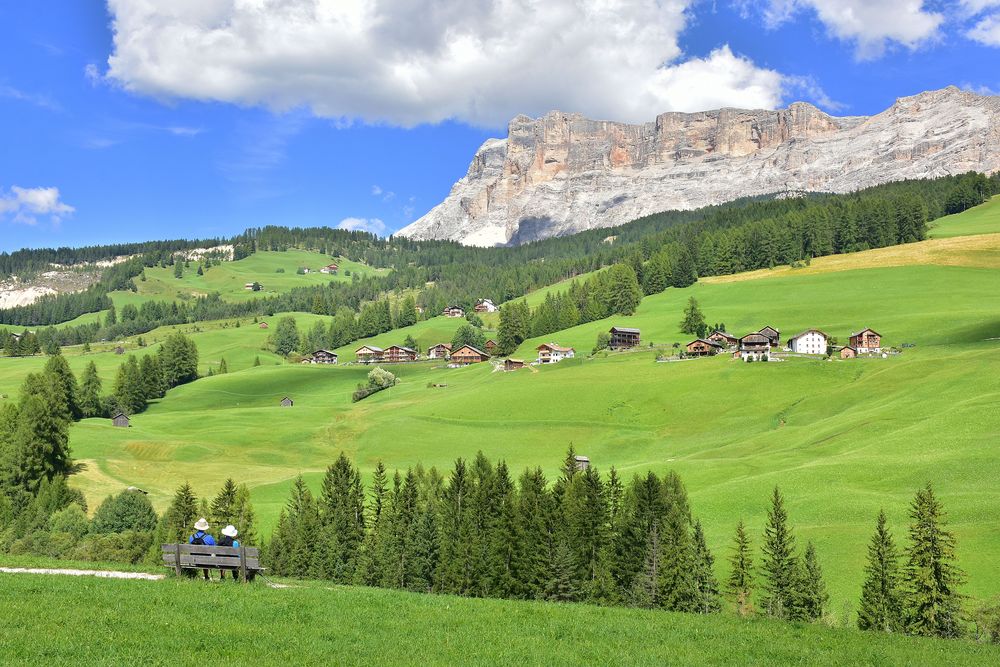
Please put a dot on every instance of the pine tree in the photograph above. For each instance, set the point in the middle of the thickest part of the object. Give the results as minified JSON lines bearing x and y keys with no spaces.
{"x":623,"y":293}
{"x":341,"y":507}
{"x":370,"y":566}
{"x":677,"y":586}
{"x":740,"y":584}
{"x":256,"y":361}
{"x":881,"y":599}
{"x":694,"y":321}
{"x":90,"y":392}
{"x":535,"y":516}
{"x":223,"y":508}
{"x":814,"y":595}
{"x":562,"y":580}
{"x":179,"y":518}
{"x":933,"y":603}
{"x":704,"y":575}
{"x":779,"y":562}
{"x":244,"y":517}
{"x":65,"y":384}
{"x":223,"y":368}
{"x":455,"y":567}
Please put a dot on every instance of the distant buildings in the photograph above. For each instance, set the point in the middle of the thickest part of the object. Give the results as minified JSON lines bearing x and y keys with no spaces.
{"x":467,"y":354}
{"x":395,"y":354}
{"x":262,"y":325}
{"x":582,"y":462}
{"x":867,"y":341}
{"x":623,"y":338}
{"x":330,"y":268}
{"x":773,"y":335}
{"x":848,"y":352}
{"x":121,"y":420}
{"x":439,"y":351}
{"x":810,"y":341}
{"x":491,"y":346}
{"x":286,"y":402}
{"x":754,"y":347}
{"x":513,"y":364}
{"x":321,"y":357}
{"x":368,"y":354}
{"x":550,"y":353}
{"x":253,"y":287}
{"x":702,"y":347}
{"x":723,"y":338}
{"x":486,"y":306}
{"x":453,"y":311}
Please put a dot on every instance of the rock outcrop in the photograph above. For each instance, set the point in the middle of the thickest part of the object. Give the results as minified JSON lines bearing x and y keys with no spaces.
{"x":564,"y":173}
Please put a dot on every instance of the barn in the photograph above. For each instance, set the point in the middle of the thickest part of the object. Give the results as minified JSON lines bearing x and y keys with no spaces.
{"x":287,"y":402}
{"x":513,"y":364}
{"x":467,"y":354}
{"x":701,"y":347}
{"x":121,"y":420}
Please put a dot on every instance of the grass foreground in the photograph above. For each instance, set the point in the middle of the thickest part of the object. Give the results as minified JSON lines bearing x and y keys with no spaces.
{"x":67,"y":620}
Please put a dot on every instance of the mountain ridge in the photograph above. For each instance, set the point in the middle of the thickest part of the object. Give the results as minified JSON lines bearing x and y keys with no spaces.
{"x":563,"y":173}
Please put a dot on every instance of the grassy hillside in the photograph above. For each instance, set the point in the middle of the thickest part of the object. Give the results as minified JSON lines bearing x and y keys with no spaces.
{"x":69,"y":620}
{"x":229,"y":278}
{"x":842,"y":438}
{"x":983,"y":219}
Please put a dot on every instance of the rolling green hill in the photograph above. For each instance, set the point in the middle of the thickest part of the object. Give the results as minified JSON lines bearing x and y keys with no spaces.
{"x":842,"y":438}
{"x":80,"y":620}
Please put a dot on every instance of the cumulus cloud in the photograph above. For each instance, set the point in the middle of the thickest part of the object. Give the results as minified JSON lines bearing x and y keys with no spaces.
{"x":29,"y":205}
{"x":407,"y":62}
{"x":986,"y":31}
{"x":373,"y":225}
{"x":871,"y":25}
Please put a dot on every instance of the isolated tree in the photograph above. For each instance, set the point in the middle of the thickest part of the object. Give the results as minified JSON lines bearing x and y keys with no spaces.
{"x":881,"y":599}
{"x":779,"y":562}
{"x":694,"y":320}
{"x":933,"y":603}
{"x":179,"y":360}
{"x":285,"y":339}
{"x":223,"y":368}
{"x":740,"y":583}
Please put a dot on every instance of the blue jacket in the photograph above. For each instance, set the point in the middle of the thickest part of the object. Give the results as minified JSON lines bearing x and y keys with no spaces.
{"x":207,"y":539}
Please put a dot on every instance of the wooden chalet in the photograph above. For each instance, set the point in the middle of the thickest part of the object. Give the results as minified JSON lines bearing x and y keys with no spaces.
{"x":323,"y":357}
{"x":723,"y":338}
{"x":513,"y":364}
{"x":866,"y":341}
{"x":121,"y":420}
{"x":848,"y":352}
{"x":624,"y":338}
{"x":330,"y":268}
{"x":286,"y":402}
{"x":582,"y":462}
{"x":772,"y":334}
{"x":491,"y":346}
{"x":453,"y":311}
{"x":368,"y":354}
{"x":550,"y":353}
{"x":467,"y":354}
{"x":262,"y":325}
{"x":439,"y":351}
{"x":702,"y":347}
{"x":486,"y":306}
{"x":754,"y":347}
{"x":395,"y":354}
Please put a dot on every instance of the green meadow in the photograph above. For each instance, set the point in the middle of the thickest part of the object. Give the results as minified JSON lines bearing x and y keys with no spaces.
{"x":841,"y":438}
{"x":983,"y":219}
{"x":182,"y":622}
{"x":229,"y":278}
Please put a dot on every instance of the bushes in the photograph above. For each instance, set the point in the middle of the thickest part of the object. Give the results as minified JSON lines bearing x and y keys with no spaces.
{"x":128,"y":511}
{"x":378,"y":379}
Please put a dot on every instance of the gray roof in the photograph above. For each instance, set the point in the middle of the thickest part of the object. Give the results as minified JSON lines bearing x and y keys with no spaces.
{"x":624,"y":330}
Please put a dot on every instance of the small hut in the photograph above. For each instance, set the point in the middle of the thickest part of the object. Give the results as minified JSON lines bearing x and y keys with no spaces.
{"x":582,"y":462}
{"x":287,"y":402}
{"x":513,"y":364}
{"x":262,"y":325}
{"x":848,"y":352}
{"x":119,"y":350}
{"x":121,"y":420}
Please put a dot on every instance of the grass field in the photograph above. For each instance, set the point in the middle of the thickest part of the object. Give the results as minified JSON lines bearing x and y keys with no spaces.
{"x":842,"y":438}
{"x":984,"y":219}
{"x":229,"y":278}
{"x":69,"y":620}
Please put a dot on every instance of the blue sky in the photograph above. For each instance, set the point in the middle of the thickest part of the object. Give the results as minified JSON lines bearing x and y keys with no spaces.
{"x":128,"y":121}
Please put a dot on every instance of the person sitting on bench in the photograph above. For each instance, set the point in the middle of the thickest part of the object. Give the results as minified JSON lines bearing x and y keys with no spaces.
{"x":201,"y":537}
{"x":228,"y":539}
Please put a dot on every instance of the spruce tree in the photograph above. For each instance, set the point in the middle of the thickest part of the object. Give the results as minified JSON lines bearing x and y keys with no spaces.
{"x":65,"y":384}
{"x":455,"y":567}
{"x":179,"y":518}
{"x":694,"y":321}
{"x":740,"y":584}
{"x":90,"y":392}
{"x":881,"y":600}
{"x":223,"y":508}
{"x":933,"y":603}
{"x":244,"y":517}
{"x":341,"y":507}
{"x":704,"y":575}
{"x":779,"y":562}
{"x":813,"y":591}
{"x":535,"y":517}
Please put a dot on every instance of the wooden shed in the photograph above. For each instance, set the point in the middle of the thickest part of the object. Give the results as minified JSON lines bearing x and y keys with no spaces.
{"x":287,"y":402}
{"x":513,"y":364}
{"x":121,"y":420}
{"x":262,"y":325}
{"x":582,"y":462}
{"x":848,"y":352}
{"x":772,"y":334}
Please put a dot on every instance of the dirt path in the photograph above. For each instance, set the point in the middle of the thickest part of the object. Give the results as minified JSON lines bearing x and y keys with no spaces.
{"x":109,"y":574}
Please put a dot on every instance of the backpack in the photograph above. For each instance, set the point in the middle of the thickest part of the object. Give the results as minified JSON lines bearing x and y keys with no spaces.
{"x":225,"y":541}
{"x":198,"y":539}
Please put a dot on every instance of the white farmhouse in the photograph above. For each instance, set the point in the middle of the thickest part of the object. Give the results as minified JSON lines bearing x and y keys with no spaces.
{"x":810,"y":341}
{"x":550,"y":353}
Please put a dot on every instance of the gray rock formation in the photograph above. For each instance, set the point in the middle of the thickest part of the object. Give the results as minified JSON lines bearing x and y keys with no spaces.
{"x":564,"y":173}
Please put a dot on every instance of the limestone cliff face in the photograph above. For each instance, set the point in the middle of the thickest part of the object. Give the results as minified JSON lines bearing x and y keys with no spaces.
{"x":564,"y":173}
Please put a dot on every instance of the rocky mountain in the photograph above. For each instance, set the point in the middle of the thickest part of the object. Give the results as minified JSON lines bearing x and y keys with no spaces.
{"x":564,"y":173}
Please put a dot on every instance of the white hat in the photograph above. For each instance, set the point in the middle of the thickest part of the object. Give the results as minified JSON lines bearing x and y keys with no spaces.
{"x":201,"y":524}
{"x":230,"y":531}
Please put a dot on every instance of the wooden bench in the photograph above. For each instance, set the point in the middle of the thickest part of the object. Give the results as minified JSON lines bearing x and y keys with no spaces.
{"x":245,"y":560}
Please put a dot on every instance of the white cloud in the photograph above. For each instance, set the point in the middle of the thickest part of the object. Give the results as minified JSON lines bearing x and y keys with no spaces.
{"x":373,"y":225}
{"x":27,"y":205}
{"x":42,"y":101}
{"x":870,"y":24}
{"x":972,"y":7}
{"x":376,"y":191}
{"x":986,"y":31}
{"x":92,"y":74}
{"x":407,"y":62}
